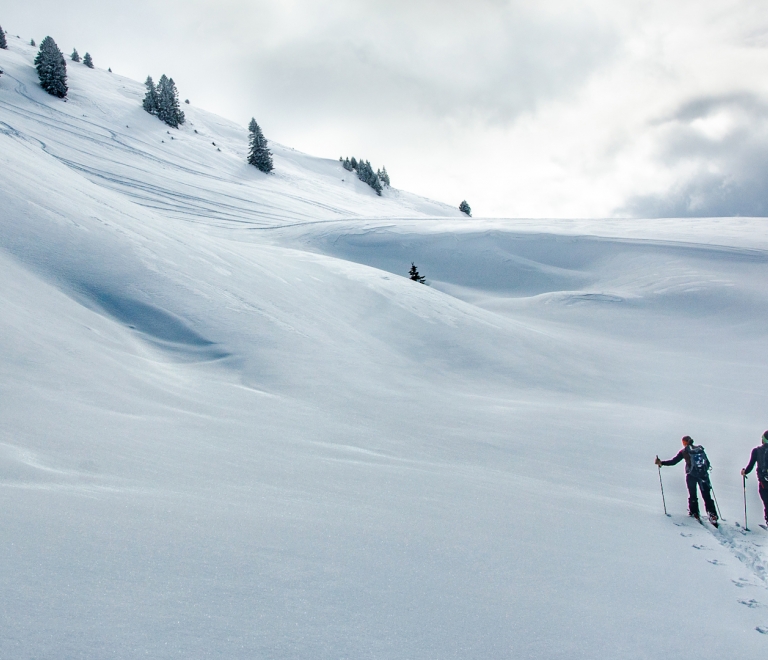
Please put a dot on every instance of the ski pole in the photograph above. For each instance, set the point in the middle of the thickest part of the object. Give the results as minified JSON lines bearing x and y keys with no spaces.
{"x":744,"y":485}
{"x":663,"y":499}
{"x":717,"y":506}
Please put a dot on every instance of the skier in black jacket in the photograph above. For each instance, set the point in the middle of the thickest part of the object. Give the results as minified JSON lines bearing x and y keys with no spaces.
{"x":760,"y":456}
{"x":696,"y":473}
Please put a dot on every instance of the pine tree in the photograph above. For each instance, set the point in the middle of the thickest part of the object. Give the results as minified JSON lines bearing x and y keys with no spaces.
{"x":384,"y":176}
{"x":3,"y":42}
{"x":75,"y":56}
{"x":150,"y":102}
{"x":32,"y":42}
{"x":168,"y":102}
{"x":366,"y":174}
{"x":51,"y":68}
{"x":414,"y":274}
{"x":464,"y":208}
{"x":353,"y":163}
{"x":347,"y":165}
{"x":258,"y":153}
{"x":88,"y":61}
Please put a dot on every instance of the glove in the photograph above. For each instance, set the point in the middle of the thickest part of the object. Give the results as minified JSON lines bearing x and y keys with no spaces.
{"x":743,"y":472}
{"x":657,"y":461}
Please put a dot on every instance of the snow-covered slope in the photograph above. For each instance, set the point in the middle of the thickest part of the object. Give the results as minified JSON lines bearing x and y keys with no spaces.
{"x":231,"y":428}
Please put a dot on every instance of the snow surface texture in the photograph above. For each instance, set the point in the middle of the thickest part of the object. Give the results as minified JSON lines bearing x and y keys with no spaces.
{"x":232,"y":427}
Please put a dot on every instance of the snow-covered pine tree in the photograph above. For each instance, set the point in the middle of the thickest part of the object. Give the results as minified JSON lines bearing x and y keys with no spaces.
{"x":259,"y":154}
{"x":366,"y":174}
{"x":384,"y":176}
{"x":353,"y":163}
{"x":362,"y":174}
{"x":32,"y":42}
{"x":3,"y":42}
{"x":75,"y":56}
{"x":464,"y":208}
{"x":168,"y":102}
{"x":87,"y":60}
{"x":414,"y":274}
{"x":51,"y":68}
{"x":347,"y":165}
{"x":150,"y":102}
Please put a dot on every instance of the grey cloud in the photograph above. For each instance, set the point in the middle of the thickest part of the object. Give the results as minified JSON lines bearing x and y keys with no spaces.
{"x":488,"y":61}
{"x":721,"y":174}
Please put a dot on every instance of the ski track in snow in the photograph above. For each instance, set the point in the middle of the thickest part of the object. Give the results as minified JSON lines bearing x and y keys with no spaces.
{"x":748,"y":547}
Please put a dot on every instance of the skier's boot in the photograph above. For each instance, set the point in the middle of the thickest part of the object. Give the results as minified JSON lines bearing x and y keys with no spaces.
{"x":713,"y":519}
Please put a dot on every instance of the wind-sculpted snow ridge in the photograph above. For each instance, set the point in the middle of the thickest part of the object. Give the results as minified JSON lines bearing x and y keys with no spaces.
{"x":233,"y":428}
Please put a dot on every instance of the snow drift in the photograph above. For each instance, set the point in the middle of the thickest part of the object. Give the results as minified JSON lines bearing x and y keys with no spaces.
{"x":232,"y":427}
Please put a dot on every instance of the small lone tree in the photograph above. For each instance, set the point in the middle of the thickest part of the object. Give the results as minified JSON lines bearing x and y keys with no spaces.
{"x":168,"y":102}
{"x":32,"y":42}
{"x":88,"y":61}
{"x":150,"y":102}
{"x":464,"y":208}
{"x":259,"y":154}
{"x":51,"y":68}
{"x":3,"y":42}
{"x":75,"y":56}
{"x":414,"y":274}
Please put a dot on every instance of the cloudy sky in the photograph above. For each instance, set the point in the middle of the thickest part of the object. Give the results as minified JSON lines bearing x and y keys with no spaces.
{"x":572,"y":108}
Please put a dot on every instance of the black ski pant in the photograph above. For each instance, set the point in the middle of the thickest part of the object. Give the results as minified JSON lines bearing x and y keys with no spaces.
{"x":762,"y":488}
{"x":706,"y":492}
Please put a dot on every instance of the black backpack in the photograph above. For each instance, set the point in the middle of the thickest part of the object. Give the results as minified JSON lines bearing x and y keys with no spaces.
{"x":762,"y":464}
{"x":699,"y":462}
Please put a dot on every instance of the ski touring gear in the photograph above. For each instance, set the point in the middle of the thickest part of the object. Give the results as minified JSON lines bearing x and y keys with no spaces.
{"x":744,"y":487}
{"x":663,"y":500}
{"x":717,"y":506}
{"x":759,"y":457}
{"x":762,"y":489}
{"x":706,"y":493}
{"x":699,"y":462}
{"x":686,"y":454}
{"x":697,"y":468}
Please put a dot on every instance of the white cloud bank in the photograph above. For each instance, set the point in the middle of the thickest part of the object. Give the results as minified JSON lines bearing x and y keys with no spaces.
{"x":591,"y":108}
